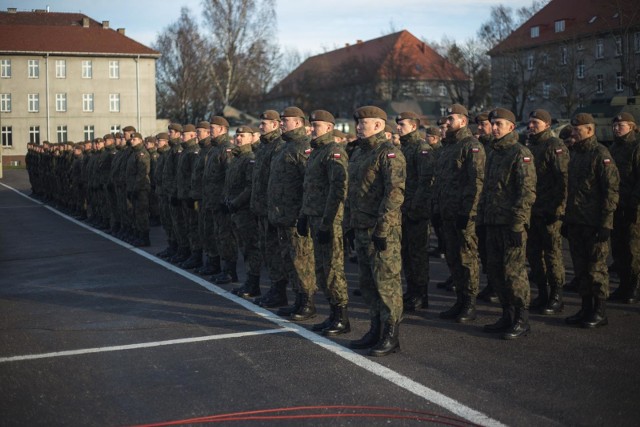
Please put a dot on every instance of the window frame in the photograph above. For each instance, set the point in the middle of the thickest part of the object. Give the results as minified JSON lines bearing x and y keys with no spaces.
{"x":114,"y":101}
{"x":34,"y":131}
{"x":114,"y":69}
{"x":62,"y":130}
{"x":87,"y":69}
{"x":87,"y":103}
{"x":61,"y":68}
{"x":5,"y":68}
{"x":61,"y":97}
{"x":33,"y":102}
{"x":5,"y":102}
{"x":6,"y":138}
{"x":33,"y":68}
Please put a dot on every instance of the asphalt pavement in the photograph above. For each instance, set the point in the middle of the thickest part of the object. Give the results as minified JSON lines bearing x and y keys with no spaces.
{"x":94,"y":332}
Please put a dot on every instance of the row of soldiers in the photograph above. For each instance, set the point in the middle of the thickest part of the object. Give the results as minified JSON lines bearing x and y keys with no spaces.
{"x":290,"y":201}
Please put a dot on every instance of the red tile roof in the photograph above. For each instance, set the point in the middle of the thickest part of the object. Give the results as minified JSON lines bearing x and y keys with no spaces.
{"x":30,"y":32}
{"x":582,"y":18}
{"x":422,"y":62}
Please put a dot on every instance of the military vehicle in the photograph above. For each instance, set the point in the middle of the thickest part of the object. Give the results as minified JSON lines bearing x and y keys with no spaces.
{"x":604,"y":110}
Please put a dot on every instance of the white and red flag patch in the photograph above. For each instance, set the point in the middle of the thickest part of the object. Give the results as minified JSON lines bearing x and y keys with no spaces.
{"x":526,"y":159}
{"x":391,"y":155}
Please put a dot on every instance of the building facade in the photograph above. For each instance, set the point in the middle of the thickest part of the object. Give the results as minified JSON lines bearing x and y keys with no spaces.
{"x":65,"y":77}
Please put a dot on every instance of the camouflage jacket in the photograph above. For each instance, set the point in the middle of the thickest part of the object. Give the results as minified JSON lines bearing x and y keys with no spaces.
{"x":138,"y":166}
{"x":421,"y":162}
{"x":237,"y":184}
{"x":170,"y":168}
{"x":626,"y":153}
{"x":270,"y":144}
{"x":197,"y":177}
{"x":186,"y":163}
{"x":163,"y":154}
{"x":104,"y":165}
{"x":215,"y":171}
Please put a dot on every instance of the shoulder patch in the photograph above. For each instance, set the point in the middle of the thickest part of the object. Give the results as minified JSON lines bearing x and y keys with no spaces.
{"x":424,"y":152}
{"x":559,"y":151}
{"x":475,"y":150}
{"x":337,"y":155}
{"x":228,"y":150}
{"x":391,"y":155}
{"x":606,"y":161}
{"x":252,"y":161}
{"x":308,"y":151}
{"x":526,"y":159}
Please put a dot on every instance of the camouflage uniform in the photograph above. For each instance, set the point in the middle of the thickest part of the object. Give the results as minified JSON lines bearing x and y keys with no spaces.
{"x":169,"y":184}
{"x":76,"y":182}
{"x":110,"y":202}
{"x":197,"y":183}
{"x":154,"y":202}
{"x":184,"y":171}
{"x":163,"y":202}
{"x":137,"y":187}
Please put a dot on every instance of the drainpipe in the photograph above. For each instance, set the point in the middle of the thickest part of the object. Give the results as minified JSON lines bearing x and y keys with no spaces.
{"x":46,"y":66}
{"x":138,"y":92}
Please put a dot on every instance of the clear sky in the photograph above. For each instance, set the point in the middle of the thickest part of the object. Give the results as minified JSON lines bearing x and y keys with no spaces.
{"x":311,"y":27}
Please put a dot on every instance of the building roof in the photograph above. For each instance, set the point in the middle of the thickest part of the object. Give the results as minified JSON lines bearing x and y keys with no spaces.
{"x":420,"y":61}
{"x":581,"y":18}
{"x":64,"y":33}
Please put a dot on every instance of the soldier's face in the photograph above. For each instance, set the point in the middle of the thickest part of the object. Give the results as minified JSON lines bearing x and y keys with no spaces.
{"x":443,"y":130}
{"x":454,"y":122}
{"x":621,"y":128}
{"x":484,"y":128}
{"x":536,"y":126}
{"x":432,"y":139}
{"x":186,"y":136}
{"x":582,"y":132}
{"x":290,"y":123}
{"x":161,"y":143}
{"x":127,"y":135}
{"x":405,"y":127}
{"x":369,"y":127}
{"x":202,"y":133}
{"x":135,"y":141}
{"x":243,"y":138}
{"x":267,"y":126}
{"x":320,"y":128}
{"x":256,"y":137}
{"x":501,"y":127}
{"x":217,"y":130}
{"x":173,"y":134}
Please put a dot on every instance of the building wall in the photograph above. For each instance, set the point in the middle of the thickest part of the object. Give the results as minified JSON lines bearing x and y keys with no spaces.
{"x":135,"y":85}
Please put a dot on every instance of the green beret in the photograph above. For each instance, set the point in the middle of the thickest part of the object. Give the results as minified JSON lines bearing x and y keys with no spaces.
{"x":97,"y":140}
{"x":255,"y":129}
{"x":457,"y":109}
{"x":582,"y":119}
{"x":624,"y":117}
{"x":565,"y":132}
{"x":442,"y":121}
{"x":482,"y":117}
{"x":162,"y":135}
{"x":270,"y":115}
{"x":292,"y":112}
{"x":129,"y":129}
{"x":219,"y":121}
{"x":188,"y":128}
{"x":176,"y":127}
{"x":338,"y":133}
{"x":150,"y":139}
{"x":136,"y":135}
{"x":322,"y":116}
{"x":203,"y":125}
{"x":408,"y":115}
{"x":109,"y":136}
{"x":390,"y":129}
{"x":541,"y":114}
{"x":431,"y":130}
{"x":502,"y":113}
{"x":370,"y":112}
{"x":244,"y":129}
{"x":78,"y":146}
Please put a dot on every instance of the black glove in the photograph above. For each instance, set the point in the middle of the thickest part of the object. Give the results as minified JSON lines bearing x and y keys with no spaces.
{"x":191,"y":203}
{"x":603,"y":234}
{"x":224,"y":208}
{"x":302,"y":226}
{"x":380,"y":243}
{"x":515,"y":238}
{"x":550,"y":219}
{"x":323,"y":236}
{"x":436,"y":220}
{"x":175,"y":201}
{"x":564,"y":231}
{"x":462,"y":221}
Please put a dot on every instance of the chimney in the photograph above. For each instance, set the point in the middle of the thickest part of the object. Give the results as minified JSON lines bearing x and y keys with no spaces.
{"x":105,"y":24}
{"x":12,"y":9}
{"x":358,"y":41}
{"x":347,"y":45}
{"x":121,"y":31}
{"x":85,"y":22}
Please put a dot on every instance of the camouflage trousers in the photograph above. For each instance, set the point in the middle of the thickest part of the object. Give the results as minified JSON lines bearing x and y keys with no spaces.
{"x":225,"y":239}
{"x":379,"y":274}
{"x":139,"y":205}
{"x":112,"y":203}
{"x":461,"y":252}
{"x":165,"y":217}
{"x":506,"y":267}
{"x":296,"y":253}
{"x":625,"y":249}
{"x":245,"y":226}
{"x":191,"y":223}
{"x":415,"y":254}
{"x":329,"y":262}
{"x":544,"y":253}
{"x":589,"y":261}
{"x":207,"y":227}
{"x":178,"y":224}
{"x":154,"y":204}
{"x":268,"y":243}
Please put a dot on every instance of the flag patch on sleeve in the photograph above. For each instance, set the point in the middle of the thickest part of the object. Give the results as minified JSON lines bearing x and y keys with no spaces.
{"x":606,"y":161}
{"x":475,"y":150}
{"x":336,"y":155}
{"x":391,"y":155}
{"x":526,"y":159}
{"x":308,"y":151}
{"x":559,"y":151}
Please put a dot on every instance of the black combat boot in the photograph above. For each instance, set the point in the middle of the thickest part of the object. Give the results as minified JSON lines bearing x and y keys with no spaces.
{"x":454,"y":311}
{"x":445,"y":284}
{"x":468,"y":311}
{"x":583,"y":314}
{"x":228,"y":275}
{"x":194,"y":261}
{"x":488,"y":294}
{"x":252,"y":287}
{"x":503,"y":322}
{"x":598,"y":315}
{"x":210,"y":267}
{"x":143,"y":240}
{"x":372,"y":336}
{"x":340,"y":324}
{"x":320,"y":327}
{"x":417,"y":298}
{"x":540,"y":302}
{"x":389,"y":341}
{"x":181,"y":256}
{"x":554,"y":303}
{"x":520,"y":327}
{"x":289,"y":310}
{"x":171,"y":247}
{"x":307,"y":309}
{"x":633,"y":296}
{"x":279,"y":296}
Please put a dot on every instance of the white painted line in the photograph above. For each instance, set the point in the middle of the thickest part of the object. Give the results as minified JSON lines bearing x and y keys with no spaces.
{"x":369,"y":365}
{"x":141,"y":345}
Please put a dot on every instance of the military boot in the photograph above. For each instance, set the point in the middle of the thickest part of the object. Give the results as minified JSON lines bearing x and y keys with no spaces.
{"x":228,"y":275}
{"x":417,"y":298}
{"x":633,"y":296}
{"x":279,"y":296}
{"x":389,"y":341}
{"x":169,"y":251}
{"x":289,"y":310}
{"x":454,"y":311}
{"x":540,"y":302}
{"x":445,"y":284}
{"x":583,"y":314}
{"x":320,"y":327}
{"x":251,"y":287}
{"x":468,"y":311}
{"x":504,"y":323}
{"x":554,"y":303}
{"x":598,"y":315}
{"x":181,"y":256}
{"x":143,"y":240}
{"x":211,"y":266}
{"x":194,"y":261}
{"x":488,"y":294}
{"x":307,"y":309}
{"x":340,"y":324}
{"x":520,"y":326}
{"x":372,"y":336}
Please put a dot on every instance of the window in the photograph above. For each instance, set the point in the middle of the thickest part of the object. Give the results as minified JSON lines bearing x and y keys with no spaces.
{"x":87,"y":102}
{"x":563,"y":55}
{"x":545,"y":59}
{"x":115,"y":129}
{"x":61,"y":69}
{"x":5,"y":68}
{"x":600,"y":83}
{"x":88,"y":133}
{"x":33,"y":67}
{"x":535,"y":32}
{"x":636,"y":46}
{"x":33,"y":104}
{"x":87,"y":70}
{"x":443,"y":90}
{"x":61,"y":102}
{"x":618,"y":46}
{"x":619,"y":85}
{"x":5,"y":102}
{"x":559,"y":26}
{"x":530,"y":62}
{"x":599,"y":49}
{"x":7,"y":136}
{"x":580,"y":70}
{"x":34,"y":134}
{"x":580,"y":46}
{"x":514,"y":66}
{"x":61,"y":133}
{"x":546,"y":89}
{"x":114,"y":69}
{"x":114,"y":102}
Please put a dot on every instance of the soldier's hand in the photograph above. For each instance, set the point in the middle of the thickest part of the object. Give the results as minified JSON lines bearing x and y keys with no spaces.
{"x":603,"y":234}
{"x":462,"y":221}
{"x":379,"y":243}
{"x":323,"y":236}
{"x":196,"y":205}
{"x":302,"y":226}
{"x":436,"y":220}
{"x":515,"y":239}
{"x":224,"y":208}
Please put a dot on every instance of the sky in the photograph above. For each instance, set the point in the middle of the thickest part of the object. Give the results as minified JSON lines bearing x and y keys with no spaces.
{"x":310,"y":27}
